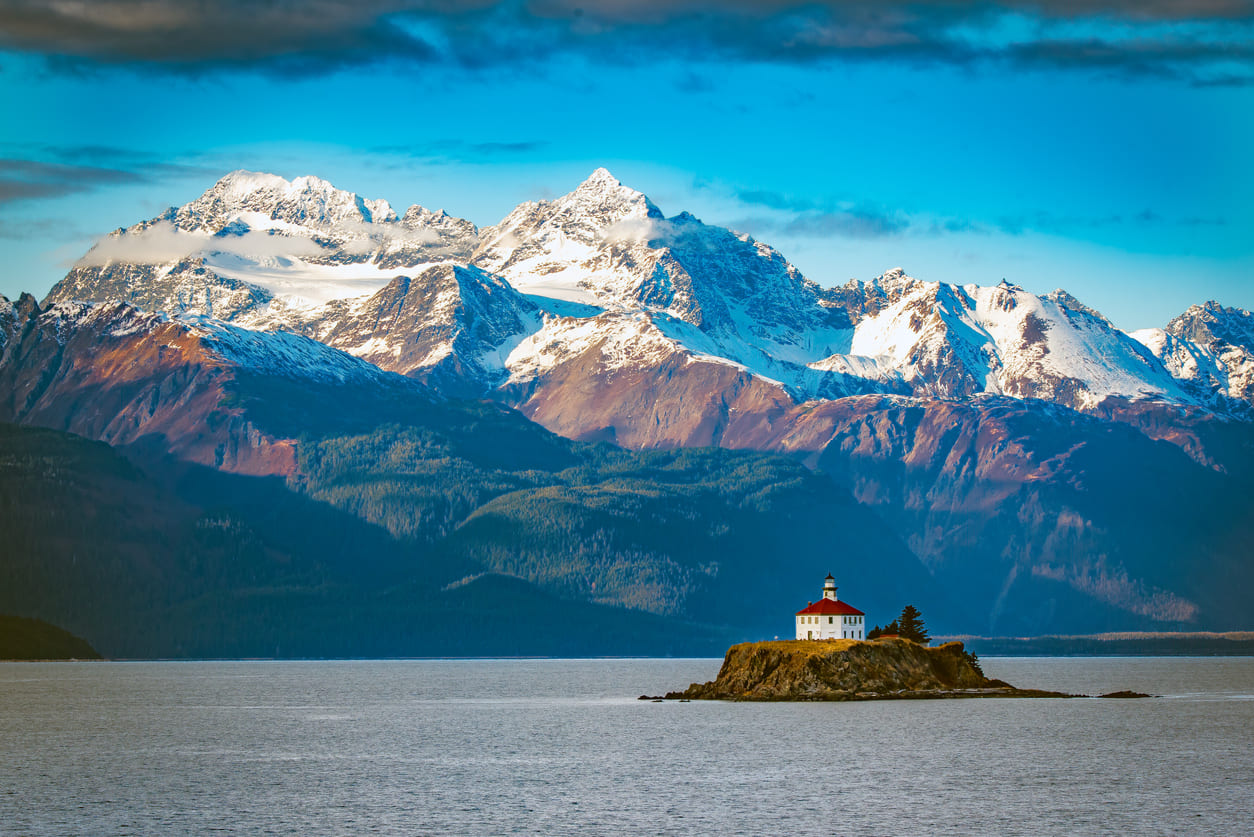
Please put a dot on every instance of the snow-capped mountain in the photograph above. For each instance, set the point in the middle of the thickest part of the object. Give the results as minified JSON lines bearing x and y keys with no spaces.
{"x":449,"y":325}
{"x":608,"y":245}
{"x":707,"y":290}
{"x":1209,"y":346}
{"x":10,"y":317}
{"x":952,"y":341}
{"x":992,"y":427}
{"x":564,"y":295}
{"x":257,"y":239}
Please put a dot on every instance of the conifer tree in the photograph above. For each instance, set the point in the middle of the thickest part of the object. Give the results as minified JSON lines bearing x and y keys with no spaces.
{"x":890,"y":629}
{"x":910,"y":625}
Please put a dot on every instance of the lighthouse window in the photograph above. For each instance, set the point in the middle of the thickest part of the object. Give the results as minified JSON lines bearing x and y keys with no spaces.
{"x":829,"y":620}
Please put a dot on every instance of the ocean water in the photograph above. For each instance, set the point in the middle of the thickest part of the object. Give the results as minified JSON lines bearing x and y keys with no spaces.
{"x":556,"y":747}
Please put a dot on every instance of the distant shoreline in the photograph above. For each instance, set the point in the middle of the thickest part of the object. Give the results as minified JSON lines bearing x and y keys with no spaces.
{"x":1123,"y":644}
{"x":34,"y":640}
{"x":1131,"y":644}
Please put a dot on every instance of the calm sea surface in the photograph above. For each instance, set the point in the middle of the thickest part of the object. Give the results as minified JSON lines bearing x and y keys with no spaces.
{"x":563,"y":747}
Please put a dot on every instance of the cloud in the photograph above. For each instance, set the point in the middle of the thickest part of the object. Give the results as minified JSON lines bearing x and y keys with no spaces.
{"x":1202,"y":41}
{"x":664,"y":232}
{"x":22,"y":179}
{"x":77,"y":169}
{"x":805,"y":217}
{"x":163,"y":242}
{"x":146,"y":164}
{"x":635,"y":230}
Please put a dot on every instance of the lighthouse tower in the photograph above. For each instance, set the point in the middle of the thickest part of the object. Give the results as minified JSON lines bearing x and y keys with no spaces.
{"x":830,"y":618}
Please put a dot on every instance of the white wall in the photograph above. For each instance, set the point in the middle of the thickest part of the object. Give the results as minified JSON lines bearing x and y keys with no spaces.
{"x":838,"y":628}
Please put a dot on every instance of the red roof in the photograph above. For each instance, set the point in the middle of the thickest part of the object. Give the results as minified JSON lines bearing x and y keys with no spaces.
{"x":827,"y":607}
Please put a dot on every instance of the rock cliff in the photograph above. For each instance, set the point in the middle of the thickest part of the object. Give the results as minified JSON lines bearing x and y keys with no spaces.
{"x":846,"y":669}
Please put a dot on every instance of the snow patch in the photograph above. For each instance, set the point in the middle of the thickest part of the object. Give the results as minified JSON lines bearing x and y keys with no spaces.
{"x":282,"y":353}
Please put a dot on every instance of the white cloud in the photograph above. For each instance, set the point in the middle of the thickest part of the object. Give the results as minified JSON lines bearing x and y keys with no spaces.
{"x":163,"y":242}
{"x":665,"y":232}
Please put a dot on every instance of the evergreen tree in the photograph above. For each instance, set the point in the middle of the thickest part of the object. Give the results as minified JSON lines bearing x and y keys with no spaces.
{"x":910,"y":625}
{"x":890,"y":629}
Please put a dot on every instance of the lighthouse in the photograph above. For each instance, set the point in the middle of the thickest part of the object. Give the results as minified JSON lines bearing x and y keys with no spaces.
{"x":830,"y":618}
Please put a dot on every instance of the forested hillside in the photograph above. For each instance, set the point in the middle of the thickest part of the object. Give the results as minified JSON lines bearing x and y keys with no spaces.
{"x":422,"y":539}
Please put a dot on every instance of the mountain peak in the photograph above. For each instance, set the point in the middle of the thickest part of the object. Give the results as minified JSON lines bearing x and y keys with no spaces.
{"x":602,"y":186}
{"x":600,"y":179}
{"x":242,"y":182}
{"x":602,"y":200}
{"x":1212,"y":322}
{"x":305,"y":201}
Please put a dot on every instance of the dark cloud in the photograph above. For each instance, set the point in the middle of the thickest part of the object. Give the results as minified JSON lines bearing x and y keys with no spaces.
{"x":146,"y":165}
{"x":294,"y":36}
{"x":25,"y":179}
{"x":41,"y":171}
{"x":1203,"y":41}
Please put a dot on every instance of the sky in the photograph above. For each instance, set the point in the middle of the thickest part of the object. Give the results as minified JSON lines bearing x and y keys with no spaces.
{"x":1101,"y":146}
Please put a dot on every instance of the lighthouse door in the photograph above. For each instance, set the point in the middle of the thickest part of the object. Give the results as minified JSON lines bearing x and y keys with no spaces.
{"x":809,"y":634}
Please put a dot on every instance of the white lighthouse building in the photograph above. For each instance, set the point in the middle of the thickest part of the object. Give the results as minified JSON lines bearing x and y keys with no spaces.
{"x":830,"y":618}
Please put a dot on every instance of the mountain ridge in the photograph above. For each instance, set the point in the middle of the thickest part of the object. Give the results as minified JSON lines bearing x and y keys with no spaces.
{"x":605,"y":250}
{"x":1000,"y":433}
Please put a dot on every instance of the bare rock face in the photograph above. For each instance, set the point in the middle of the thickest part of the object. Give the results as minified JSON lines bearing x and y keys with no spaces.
{"x":844,"y":670}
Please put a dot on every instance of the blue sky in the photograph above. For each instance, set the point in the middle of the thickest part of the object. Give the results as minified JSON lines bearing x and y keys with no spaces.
{"x":1094,"y":145}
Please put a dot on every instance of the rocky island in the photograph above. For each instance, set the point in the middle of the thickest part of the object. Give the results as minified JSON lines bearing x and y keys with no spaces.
{"x":846,"y":669}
